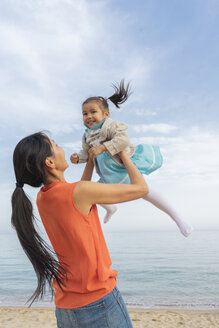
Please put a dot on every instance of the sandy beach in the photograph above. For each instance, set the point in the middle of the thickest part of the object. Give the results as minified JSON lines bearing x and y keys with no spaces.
{"x":17,"y":317}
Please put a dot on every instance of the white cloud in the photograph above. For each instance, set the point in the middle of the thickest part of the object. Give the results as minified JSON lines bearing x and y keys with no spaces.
{"x":145,"y":112}
{"x":75,"y":146}
{"x":155,"y":140}
{"x":192,"y":155}
{"x":55,"y":54}
{"x":139,"y":66}
{"x":156,"y":128}
{"x":19,"y":45}
{"x":40,"y":53}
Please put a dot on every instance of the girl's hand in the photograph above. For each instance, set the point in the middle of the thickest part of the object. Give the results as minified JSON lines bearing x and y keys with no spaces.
{"x":94,"y":151}
{"x":74,"y":158}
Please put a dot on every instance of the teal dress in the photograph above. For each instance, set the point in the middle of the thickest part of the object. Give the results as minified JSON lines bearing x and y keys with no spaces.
{"x":146,"y":158}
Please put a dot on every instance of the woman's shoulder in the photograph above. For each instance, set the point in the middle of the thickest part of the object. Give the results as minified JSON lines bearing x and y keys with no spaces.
{"x":54,"y":186}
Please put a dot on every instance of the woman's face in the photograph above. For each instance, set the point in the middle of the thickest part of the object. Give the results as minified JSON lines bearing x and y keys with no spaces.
{"x":59,"y":156}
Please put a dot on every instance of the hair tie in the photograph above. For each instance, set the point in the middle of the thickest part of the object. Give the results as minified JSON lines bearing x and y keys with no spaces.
{"x":19,"y":185}
{"x":107,"y":99}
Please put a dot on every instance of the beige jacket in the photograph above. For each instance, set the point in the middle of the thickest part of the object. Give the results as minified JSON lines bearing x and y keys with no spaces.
{"x":113,"y":135}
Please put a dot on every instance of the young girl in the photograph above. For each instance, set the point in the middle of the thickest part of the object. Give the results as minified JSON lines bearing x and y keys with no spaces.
{"x":104,"y":139}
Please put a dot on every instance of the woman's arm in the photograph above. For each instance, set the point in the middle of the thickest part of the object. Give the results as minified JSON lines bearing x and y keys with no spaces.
{"x":87,"y":193}
{"x":88,"y":171}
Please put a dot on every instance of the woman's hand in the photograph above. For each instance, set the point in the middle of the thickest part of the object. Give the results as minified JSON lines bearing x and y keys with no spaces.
{"x":94,"y":151}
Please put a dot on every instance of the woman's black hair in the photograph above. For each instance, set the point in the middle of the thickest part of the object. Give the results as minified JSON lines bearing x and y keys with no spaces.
{"x":120,"y":95}
{"x":29,"y":166}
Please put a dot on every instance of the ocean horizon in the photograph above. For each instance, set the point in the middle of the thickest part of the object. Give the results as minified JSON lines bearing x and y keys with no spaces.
{"x":156,"y":269}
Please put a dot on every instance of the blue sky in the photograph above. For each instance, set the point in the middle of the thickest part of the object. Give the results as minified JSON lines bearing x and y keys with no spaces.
{"x":54,"y":54}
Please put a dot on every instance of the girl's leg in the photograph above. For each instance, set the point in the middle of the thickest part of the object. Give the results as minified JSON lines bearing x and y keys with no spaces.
{"x":110,"y":210}
{"x":157,"y":200}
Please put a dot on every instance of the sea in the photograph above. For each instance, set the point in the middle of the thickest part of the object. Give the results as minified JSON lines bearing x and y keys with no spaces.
{"x":156,"y":269}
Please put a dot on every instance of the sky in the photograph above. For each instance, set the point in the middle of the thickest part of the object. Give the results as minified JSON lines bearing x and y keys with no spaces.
{"x":56,"y":53}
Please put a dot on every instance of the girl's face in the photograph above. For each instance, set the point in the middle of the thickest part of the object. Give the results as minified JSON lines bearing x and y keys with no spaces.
{"x":93,"y":114}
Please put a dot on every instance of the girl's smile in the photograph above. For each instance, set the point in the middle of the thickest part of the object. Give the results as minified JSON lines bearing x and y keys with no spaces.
{"x":93,"y":114}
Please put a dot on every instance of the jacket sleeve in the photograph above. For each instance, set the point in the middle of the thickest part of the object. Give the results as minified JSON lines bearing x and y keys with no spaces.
{"x":117,"y":138}
{"x":83,"y":153}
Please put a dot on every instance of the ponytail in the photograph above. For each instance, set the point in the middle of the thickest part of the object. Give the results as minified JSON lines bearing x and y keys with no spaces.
{"x":29,"y":158}
{"x":121,"y":93}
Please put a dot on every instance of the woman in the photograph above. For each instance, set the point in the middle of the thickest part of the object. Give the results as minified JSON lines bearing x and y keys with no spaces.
{"x":85,"y":285}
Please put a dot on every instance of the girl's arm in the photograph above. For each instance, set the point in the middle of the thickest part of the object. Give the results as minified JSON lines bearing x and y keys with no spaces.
{"x":87,"y":193}
{"x":117,"y":140}
{"x":88,"y":171}
{"x":83,"y":155}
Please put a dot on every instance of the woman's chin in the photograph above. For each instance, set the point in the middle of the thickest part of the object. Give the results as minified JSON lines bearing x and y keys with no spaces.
{"x":67,"y":165}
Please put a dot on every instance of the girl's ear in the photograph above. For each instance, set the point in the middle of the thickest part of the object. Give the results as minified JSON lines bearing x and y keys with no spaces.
{"x":49,"y":163}
{"x":107,"y":113}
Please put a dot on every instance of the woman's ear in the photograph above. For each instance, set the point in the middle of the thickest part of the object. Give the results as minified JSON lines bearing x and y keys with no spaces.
{"x":49,"y":163}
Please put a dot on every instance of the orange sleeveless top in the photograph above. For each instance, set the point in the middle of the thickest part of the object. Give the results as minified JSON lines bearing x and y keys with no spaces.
{"x":79,"y":238}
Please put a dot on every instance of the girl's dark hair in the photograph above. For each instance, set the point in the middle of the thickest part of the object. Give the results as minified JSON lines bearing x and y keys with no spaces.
{"x":29,"y":162}
{"x":120,"y":95}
